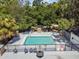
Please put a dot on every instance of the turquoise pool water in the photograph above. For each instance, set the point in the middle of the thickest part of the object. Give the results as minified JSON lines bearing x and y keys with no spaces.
{"x":39,"y":40}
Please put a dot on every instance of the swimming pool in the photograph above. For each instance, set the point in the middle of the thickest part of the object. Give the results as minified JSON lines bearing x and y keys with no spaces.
{"x":39,"y":40}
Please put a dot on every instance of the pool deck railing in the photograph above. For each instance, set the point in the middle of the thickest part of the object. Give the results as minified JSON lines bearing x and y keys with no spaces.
{"x":54,"y":47}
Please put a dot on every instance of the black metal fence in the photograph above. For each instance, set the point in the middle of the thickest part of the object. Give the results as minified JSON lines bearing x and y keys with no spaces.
{"x":33,"y":48}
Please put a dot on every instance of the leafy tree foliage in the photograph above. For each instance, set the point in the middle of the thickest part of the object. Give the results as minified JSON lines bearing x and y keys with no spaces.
{"x":62,"y":13}
{"x":65,"y":24}
{"x":8,"y":28}
{"x":37,"y":2}
{"x":75,"y":10}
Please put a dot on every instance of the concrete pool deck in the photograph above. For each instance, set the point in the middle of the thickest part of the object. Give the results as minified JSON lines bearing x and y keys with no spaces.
{"x":47,"y":55}
{"x":20,"y":43}
{"x":24,"y":36}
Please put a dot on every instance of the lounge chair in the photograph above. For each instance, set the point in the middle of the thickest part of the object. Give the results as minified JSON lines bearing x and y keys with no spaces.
{"x":15,"y":50}
{"x":2,"y":51}
{"x":26,"y":50}
{"x":34,"y":50}
{"x":30,"y":50}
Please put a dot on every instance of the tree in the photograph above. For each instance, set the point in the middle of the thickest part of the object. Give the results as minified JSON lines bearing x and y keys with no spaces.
{"x":37,"y":2}
{"x":8,"y":28}
{"x":75,"y":10}
{"x":64,"y":24}
{"x":11,"y":7}
{"x":39,"y":14}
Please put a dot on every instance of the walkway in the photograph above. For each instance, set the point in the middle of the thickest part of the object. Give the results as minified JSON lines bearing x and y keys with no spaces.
{"x":47,"y":55}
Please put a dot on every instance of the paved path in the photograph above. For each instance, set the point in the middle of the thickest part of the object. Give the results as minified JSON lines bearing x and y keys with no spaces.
{"x":47,"y":55}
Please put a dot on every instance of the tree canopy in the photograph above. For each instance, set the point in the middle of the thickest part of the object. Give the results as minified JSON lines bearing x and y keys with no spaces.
{"x":8,"y":27}
{"x":64,"y":13}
